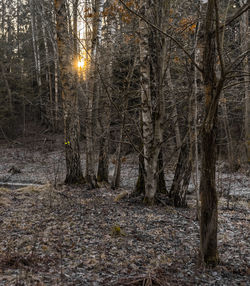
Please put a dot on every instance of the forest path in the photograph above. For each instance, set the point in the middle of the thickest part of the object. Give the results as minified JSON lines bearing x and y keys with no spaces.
{"x":75,"y":236}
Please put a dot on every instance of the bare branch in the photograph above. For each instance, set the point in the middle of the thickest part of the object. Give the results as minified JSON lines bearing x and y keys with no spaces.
{"x":164,"y":33}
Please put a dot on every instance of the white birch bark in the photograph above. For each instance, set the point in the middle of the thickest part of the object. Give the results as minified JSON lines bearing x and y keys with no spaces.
{"x":152,"y":95}
{"x":48,"y":75}
{"x":92,"y":89}
{"x":36,"y":49}
{"x":150,"y":158}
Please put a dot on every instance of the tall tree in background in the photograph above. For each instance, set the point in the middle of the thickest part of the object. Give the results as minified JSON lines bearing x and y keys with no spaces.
{"x":69,"y":96}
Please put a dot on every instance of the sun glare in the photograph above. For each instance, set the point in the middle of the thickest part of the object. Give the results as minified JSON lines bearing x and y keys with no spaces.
{"x":81,"y":63}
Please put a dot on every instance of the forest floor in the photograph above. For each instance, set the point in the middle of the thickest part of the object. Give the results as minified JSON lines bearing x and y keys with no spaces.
{"x":75,"y":236}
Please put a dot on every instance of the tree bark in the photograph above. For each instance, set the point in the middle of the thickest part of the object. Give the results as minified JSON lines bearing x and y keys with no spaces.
{"x":104,"y":102}
{"x":245,"y":34}
{"x":153,"y":47}
{"x":69,"y":98}
{"x":49,"y":107}
{"x":7,"y":86}
{"x":182,"y":176}
{"x":36,"y":52}
{"x":92,"y":90}
{"x":175,"y":113}
{"x":209,"y":202}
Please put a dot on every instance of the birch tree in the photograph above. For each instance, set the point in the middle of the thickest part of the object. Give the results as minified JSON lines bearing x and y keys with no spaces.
{"x":36,"y":50}
{"x":69,"y":97}
{"x":97,"y":6}
{"x":153,"y":49}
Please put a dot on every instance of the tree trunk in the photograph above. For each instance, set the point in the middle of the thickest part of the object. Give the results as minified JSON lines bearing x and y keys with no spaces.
{"x":232,"y":162}
{"x":140,"y":183}
{"x":10,"y":105}
{"x":153,"y":47}
{"x":244,"y":25}
{"x":117,"y":173}
{"x":161,"y":184}
{"x":209,"y":212}
{"x":37,"y":58}
{"x":182,"y":176}
{"x":48,"y":78}
{"x":104,"y":102}
{"x":175,"y":113}
{"x":69,"y":98}
{"x":92,"y":90}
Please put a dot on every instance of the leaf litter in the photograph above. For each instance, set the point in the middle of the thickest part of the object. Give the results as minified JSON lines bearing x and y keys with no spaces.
{"x":75,"y":236}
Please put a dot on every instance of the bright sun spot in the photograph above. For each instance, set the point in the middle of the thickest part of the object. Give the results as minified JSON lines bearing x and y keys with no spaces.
{"x":81,"y":63}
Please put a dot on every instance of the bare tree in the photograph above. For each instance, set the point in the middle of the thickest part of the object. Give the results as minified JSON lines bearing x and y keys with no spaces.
{"x":69,"y":97}
{"x":153,"y":51}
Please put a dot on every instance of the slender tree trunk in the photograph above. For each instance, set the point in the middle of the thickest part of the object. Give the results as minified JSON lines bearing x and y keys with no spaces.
{"x":195,"y":93}
{"x":10,"y":105}
{"x":189,"y":147}
{"x":232,"y":163}
{"x":212,"y":89}
{"x":48,"y":77}
{"x":151,"y":152}
{"x":36,"y":51}
{"x":175,"y":113}
{"x":53,"y":38}
{"x":69,"y":98}
{"x":161,"y":184}
{"x":117,"y":172}
{"x":245,"y":38}
{"x":56,"y":87}
{"x":104,"y":108}
{"x":92,"y":90}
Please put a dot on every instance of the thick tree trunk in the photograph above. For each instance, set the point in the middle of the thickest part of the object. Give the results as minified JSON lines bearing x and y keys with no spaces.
{"x":153,"y":47}
{"x":140,"y":183}
{"x":209,"y":213}
{"x":212,"y":89}
{"x":69,"y":97}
